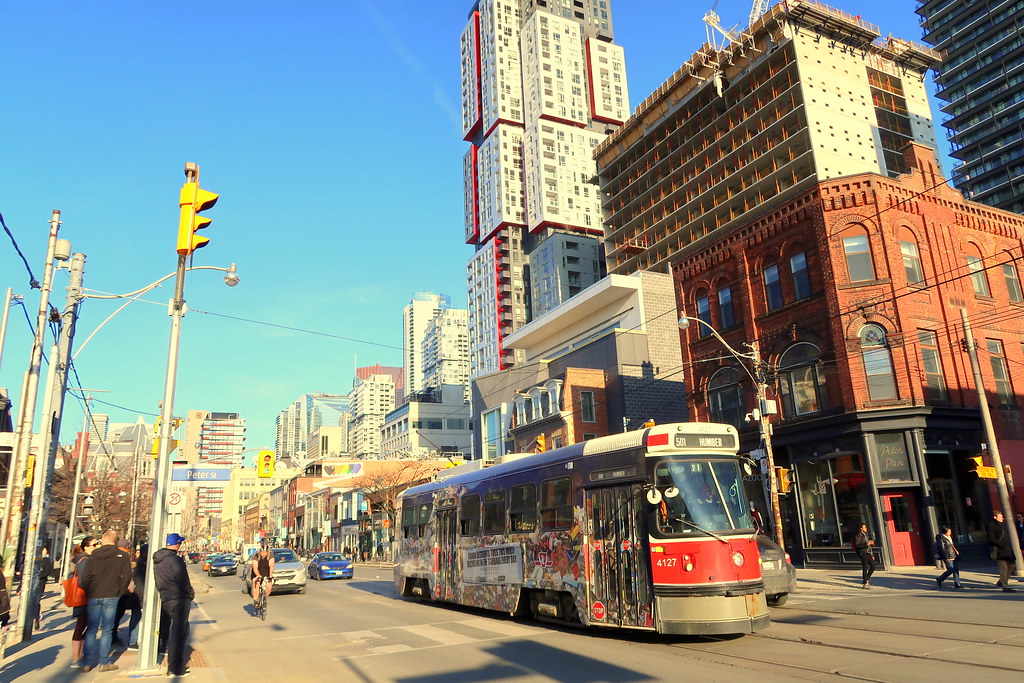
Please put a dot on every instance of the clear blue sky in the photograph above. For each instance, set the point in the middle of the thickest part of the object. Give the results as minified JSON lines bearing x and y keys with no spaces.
{"x":331,"y":131}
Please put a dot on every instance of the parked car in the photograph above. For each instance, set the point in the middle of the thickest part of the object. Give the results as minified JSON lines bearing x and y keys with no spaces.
{"x":194,"y":557}
{"x":329,"y":566}
{"x":209,"y":558}
{"x":223,"y":565}
{"x":777,"y":570}
{"x":289,"y":572}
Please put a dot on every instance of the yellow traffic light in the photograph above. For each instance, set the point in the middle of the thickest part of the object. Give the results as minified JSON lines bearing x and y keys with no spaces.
{"x":155,"y":450}
{"x":265,"y":464}
{"x":978,"y":463}
{"x":542,"y":443}
{"x":782,"y":479}
{"x":193,"y":200}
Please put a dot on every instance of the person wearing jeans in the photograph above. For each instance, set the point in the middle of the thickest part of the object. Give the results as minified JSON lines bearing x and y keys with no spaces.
{"x":104,"y":579}
{"x":950,"y":556}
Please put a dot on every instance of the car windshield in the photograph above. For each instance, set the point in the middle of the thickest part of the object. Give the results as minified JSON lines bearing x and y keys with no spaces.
{"x":710,"y":498}
{"x":332,"y":557}
{"x":285,"y":556}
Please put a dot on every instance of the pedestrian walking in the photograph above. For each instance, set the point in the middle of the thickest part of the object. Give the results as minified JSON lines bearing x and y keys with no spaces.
{"x":862,"y":543}
{"x":44,"y":569}
{"x":1002,"y":551}
{"x":946,"y":551}
{"x":79,"y":554}
{"x":1020,"y":528}
{"x":176,"y":595}
{"x":106,"y":575}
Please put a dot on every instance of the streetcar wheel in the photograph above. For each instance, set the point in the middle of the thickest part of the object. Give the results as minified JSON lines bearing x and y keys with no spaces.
{"x":777,"y":600}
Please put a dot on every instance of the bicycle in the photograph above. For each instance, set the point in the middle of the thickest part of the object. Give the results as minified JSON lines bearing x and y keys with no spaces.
{"x":261,"y":600}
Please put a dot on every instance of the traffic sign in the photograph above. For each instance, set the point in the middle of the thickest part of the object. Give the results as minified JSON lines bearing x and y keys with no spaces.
{"x":597,"y":610}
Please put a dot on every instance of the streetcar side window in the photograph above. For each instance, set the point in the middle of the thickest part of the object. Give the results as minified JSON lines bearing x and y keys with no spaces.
{"x":409,"y":528}
{"x":423,"y":518}
{"x":556,"y":503}
{"x":469,"y":515}
{"x":522,"y":514}
{"x":494,"y":512}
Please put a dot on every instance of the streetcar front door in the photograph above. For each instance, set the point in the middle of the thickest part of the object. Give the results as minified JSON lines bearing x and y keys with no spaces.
{"x":446,"y":553}
{"x":619,"y":583}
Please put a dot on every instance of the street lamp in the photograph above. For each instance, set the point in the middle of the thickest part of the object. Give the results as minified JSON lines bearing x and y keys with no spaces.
{"x":760,"y":413}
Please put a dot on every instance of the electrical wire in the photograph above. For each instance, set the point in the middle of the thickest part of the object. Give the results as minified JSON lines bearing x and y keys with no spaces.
{"x":32,"y":281}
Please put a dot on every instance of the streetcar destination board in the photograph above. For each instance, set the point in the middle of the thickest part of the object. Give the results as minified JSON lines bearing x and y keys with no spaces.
{"x":723,"y":440}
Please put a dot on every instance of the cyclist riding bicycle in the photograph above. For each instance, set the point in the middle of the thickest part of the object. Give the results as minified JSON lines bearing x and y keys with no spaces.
{"x":262,"y":572}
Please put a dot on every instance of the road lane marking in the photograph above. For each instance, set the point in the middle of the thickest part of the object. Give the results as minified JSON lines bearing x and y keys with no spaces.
{"x":206,"y":615}
{"x":503,"y":627}
{"x":390,"y":649}
{"x":439,"y":635}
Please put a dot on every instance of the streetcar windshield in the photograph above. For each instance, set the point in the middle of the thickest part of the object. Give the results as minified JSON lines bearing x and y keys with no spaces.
{"x":710,"y":498}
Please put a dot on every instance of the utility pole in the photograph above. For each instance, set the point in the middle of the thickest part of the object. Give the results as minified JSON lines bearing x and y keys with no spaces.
{"x":765,"y":428}
{"x":993,"y":445}
{"x":83,"y":450}
{"x":50,"y":431}
{"x":11,"y":527}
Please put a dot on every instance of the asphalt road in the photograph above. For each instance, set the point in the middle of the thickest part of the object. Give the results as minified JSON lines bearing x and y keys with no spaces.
{"x":358,"y":630}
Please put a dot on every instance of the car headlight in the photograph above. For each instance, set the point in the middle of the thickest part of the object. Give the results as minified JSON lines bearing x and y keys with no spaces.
{"x":737,"y":559}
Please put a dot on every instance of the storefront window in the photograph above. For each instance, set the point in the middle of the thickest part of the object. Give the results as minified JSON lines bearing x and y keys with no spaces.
{"x":834,"y":500}
{"x":892,"y":458}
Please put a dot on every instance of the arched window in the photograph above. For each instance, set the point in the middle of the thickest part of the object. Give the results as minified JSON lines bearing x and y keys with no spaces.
{"x":802,"y":380}
{"x":726,"y":310}
{"x":976,"y":267}
{"x":911,"y":257}
{"x":554,"y":388}
{"x":858,"y":255}
{"x":801,"y":275}
{"x":877,"y":363}
{"x":1012,"y":282}
{"x":724,"y":397}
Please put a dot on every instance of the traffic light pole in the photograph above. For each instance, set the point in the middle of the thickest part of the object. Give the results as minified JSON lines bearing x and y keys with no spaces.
{"x":765,"y":427}
{"x":148,"y":628}
{"x":993,"y":445}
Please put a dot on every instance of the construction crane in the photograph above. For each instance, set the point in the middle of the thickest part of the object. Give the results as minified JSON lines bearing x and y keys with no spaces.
{"x":713,"y":21}
{"x":757,"y":9}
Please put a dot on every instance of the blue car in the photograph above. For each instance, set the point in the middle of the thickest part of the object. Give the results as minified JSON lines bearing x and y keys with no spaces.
{"x":329,"y":566}
{"x":223,"y":565}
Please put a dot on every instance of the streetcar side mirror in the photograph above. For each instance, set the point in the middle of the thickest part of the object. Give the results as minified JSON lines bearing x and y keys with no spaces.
{"x":748,"y":466}
{"x":671,"y":492}
{"x":653,"y":496}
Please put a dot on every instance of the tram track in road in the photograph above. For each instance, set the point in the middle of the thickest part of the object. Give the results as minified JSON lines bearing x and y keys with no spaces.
{"x":894,"y":649}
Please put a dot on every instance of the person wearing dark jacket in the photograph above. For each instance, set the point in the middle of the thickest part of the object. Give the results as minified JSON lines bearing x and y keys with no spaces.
{"x":176,"y":594}
{"x":862,"y":544}
{"x":1002,"y":551}
{"x":104,"y":578}
{"x":947,"y":552}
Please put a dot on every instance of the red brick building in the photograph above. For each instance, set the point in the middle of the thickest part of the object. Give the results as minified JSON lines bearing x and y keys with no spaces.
{"x":853,"y":290}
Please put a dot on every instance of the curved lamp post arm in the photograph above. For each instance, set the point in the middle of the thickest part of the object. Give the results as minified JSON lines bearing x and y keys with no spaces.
{"x":684,"y":322}
{"x":230,"y":279}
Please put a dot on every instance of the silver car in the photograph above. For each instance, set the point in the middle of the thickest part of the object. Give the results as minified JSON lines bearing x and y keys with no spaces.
{"x":777,"y":571}
{"x":289,"y":572}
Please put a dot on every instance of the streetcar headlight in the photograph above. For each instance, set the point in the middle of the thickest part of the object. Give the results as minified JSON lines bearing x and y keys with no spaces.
{"x":687,"y":562}
{"x":737,"y":559}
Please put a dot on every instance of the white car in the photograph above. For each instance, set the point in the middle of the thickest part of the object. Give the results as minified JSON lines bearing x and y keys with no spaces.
{"x":289,"y":572}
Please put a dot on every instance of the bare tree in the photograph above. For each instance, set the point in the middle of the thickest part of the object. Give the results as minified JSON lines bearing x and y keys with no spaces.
{"x":382,"y":487}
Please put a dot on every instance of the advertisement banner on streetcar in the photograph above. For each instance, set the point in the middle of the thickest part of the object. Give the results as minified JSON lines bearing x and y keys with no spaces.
{"x":501,"y":564}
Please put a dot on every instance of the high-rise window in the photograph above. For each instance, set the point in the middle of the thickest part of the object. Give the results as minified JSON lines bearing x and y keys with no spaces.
{"x":976,"y":267}
{"x":1012,"y":282}
{"x":1004,"y":388}
{"x":911,"y":257}
{"x":801,"y":276}
{"x":858,"y":257}
{"x":724,"y":401}
{"x":931,"y":365}
{"x":725,"y":311}
{"x":877,"y":363}
{"x":772,"y":288}
{"x":587,"y":413}
{"x":704,"y":313}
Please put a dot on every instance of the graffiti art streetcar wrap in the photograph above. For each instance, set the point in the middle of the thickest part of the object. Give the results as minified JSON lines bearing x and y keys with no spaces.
{"x":649,"y":529}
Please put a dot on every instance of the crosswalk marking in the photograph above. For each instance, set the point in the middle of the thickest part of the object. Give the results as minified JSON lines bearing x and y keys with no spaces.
{"x":440,"y":635}
{"x":362,"y":635}
{"x":506,"y":628}
{"x":389,"y":649}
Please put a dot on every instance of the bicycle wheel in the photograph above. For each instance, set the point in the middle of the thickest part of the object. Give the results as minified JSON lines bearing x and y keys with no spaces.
{"x":262,"y":610}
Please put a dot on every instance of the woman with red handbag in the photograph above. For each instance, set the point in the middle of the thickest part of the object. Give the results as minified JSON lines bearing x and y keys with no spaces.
{"x":79,"y":555}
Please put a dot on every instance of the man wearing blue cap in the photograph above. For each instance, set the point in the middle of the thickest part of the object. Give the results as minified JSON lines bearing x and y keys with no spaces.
{"x":176,"y":596}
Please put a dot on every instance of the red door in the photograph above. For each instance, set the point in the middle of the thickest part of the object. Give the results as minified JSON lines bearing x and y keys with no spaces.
{"x":901,"y":519}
